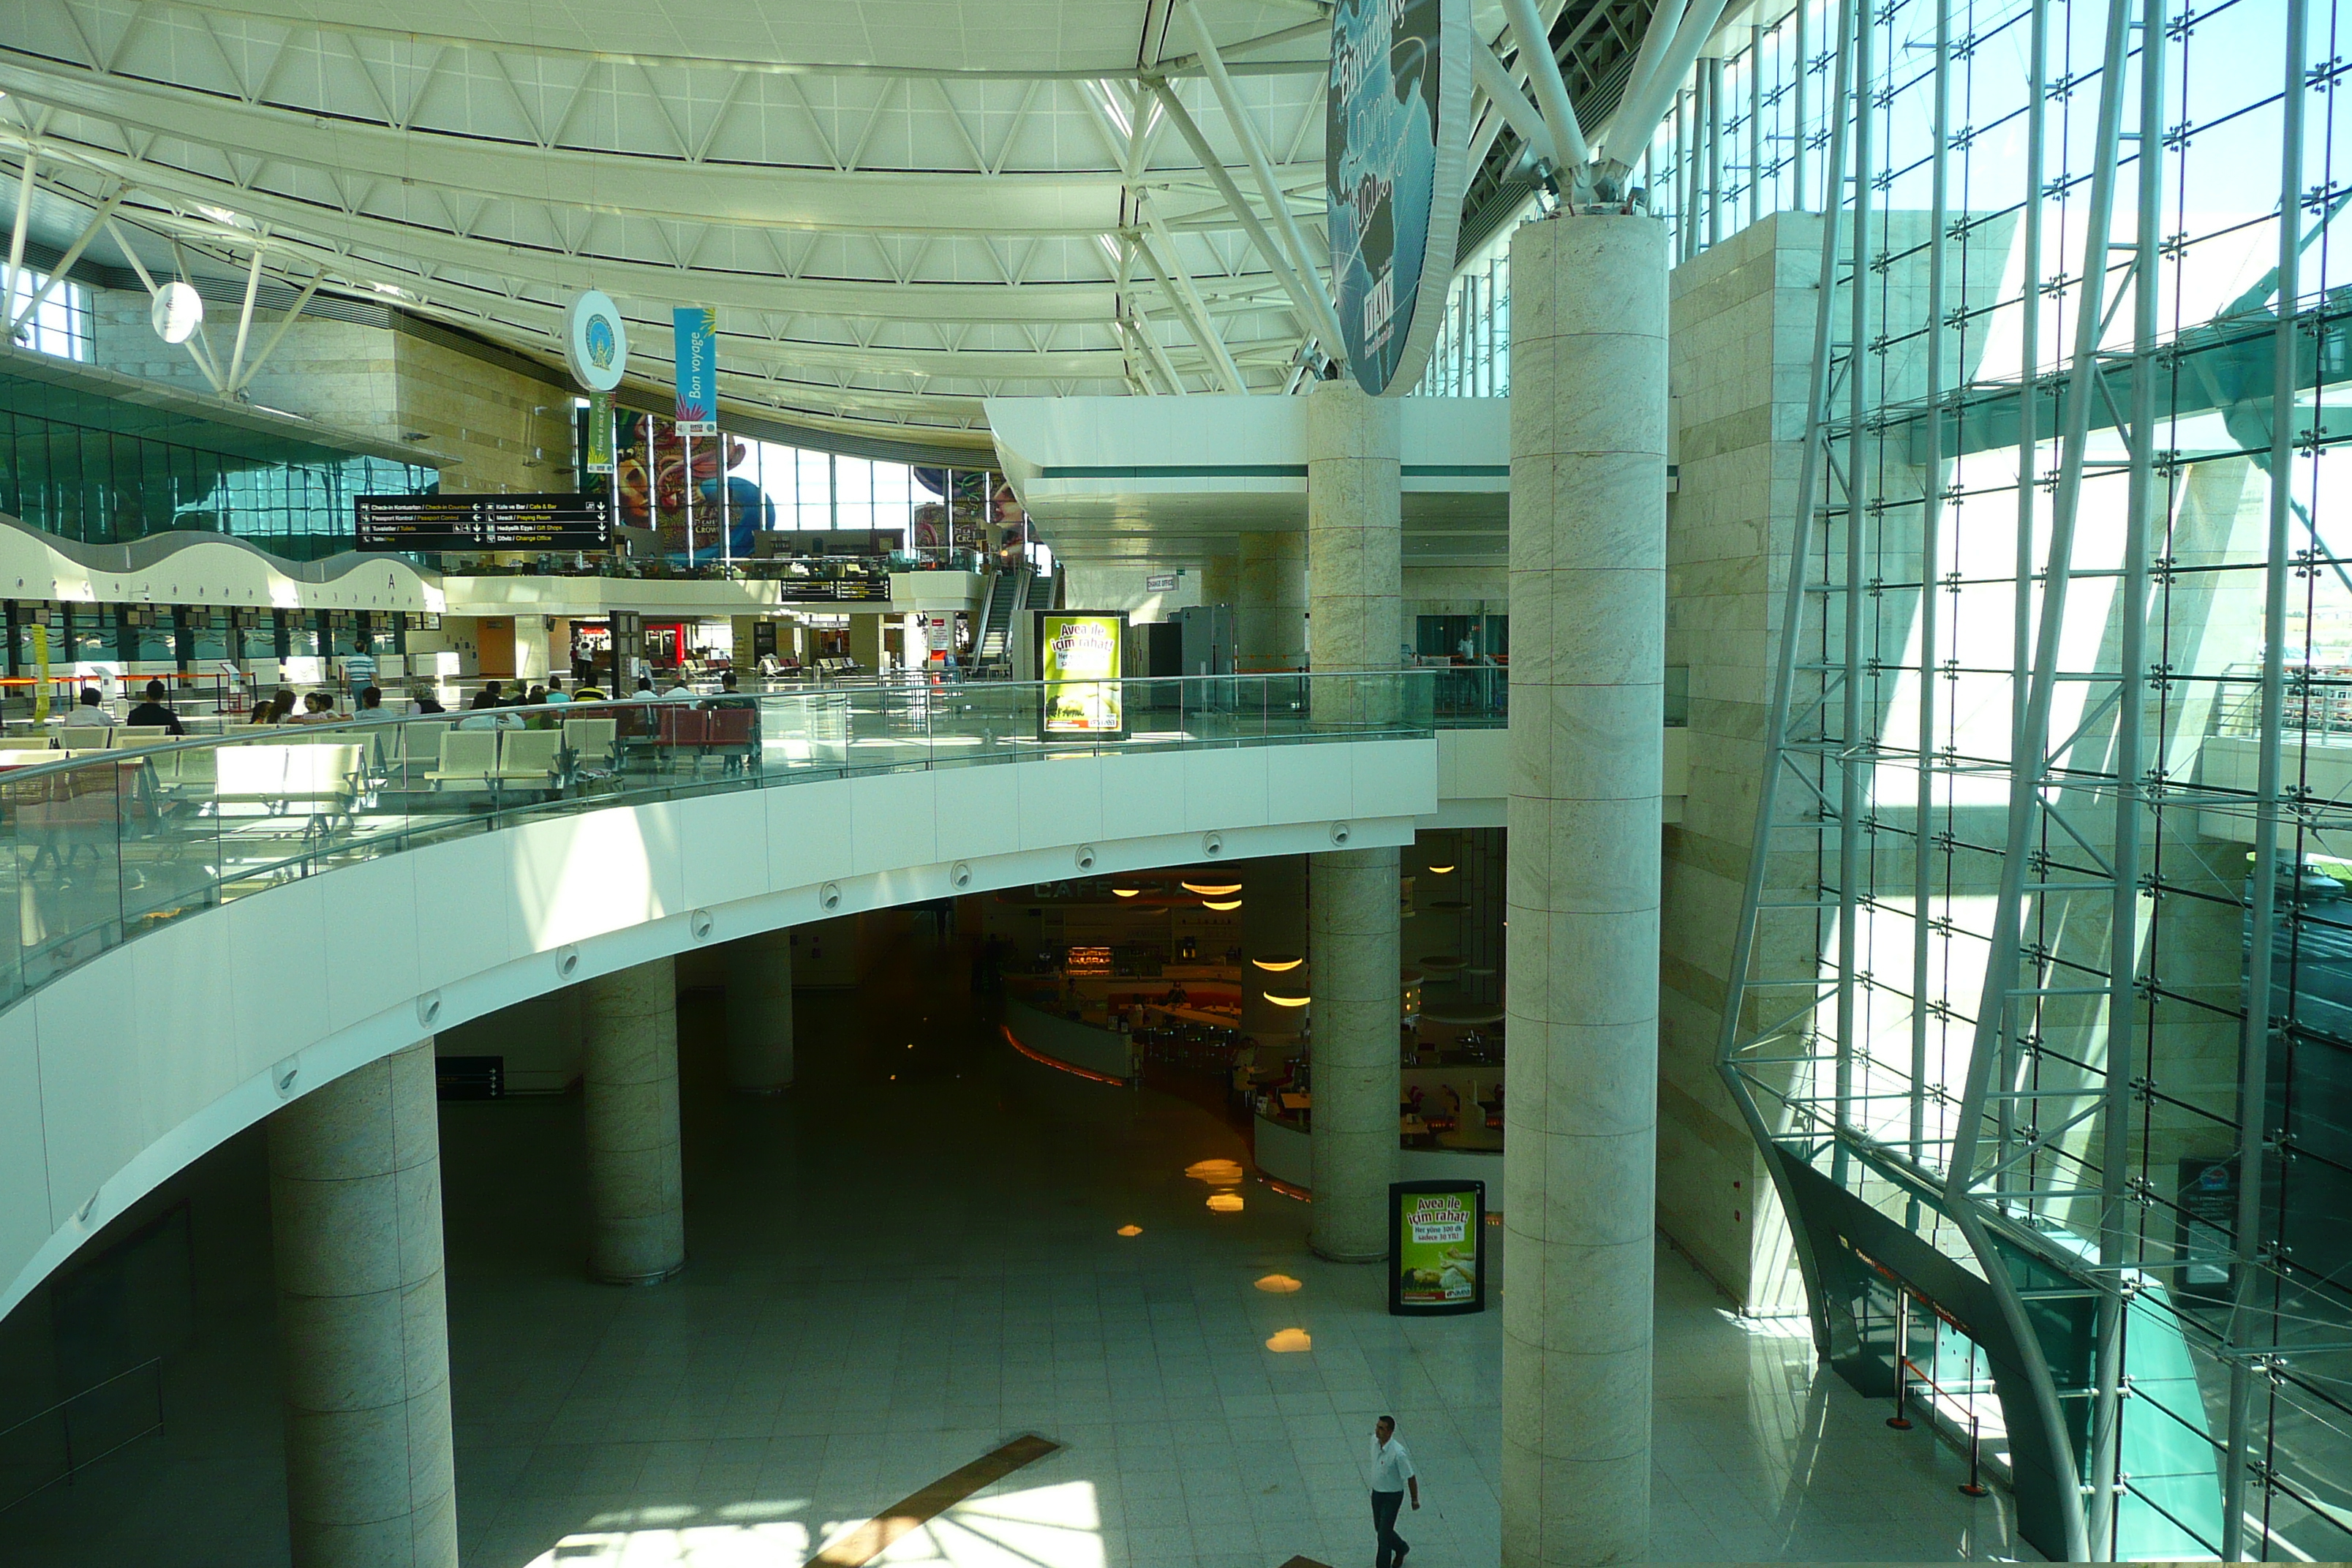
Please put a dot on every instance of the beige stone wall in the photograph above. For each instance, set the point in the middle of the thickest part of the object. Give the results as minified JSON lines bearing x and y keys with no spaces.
{"x":1741,"y":342}
{"x":506,"y":430}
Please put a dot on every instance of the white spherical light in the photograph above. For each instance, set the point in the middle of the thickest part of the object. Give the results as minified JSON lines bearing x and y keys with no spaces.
{"x":179,"y":311}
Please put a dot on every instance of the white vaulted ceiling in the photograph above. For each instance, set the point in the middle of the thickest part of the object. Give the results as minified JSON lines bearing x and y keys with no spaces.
{"x":899,"y":206}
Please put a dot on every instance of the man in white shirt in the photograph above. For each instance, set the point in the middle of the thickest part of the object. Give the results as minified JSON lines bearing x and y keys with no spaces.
{"x":1392,"y":1477}
{"x":87,"y":713}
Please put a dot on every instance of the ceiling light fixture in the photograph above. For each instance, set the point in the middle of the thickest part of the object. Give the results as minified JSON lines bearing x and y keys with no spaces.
{"x":1221,"y":905}
{"x":1441,"y":870}
{"x":1287,"y":998}
{"x":1211,"y":890}
{"x":1277,"y":962}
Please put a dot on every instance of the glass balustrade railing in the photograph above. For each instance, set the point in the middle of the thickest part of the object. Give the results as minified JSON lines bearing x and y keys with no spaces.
{"x":100,"y":846}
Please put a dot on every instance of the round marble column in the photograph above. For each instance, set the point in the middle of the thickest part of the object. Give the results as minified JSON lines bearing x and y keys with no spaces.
{"x":1354,"y":577}
{"x":1270,"y":612}
{"x":363,"y":1326}
{"x":1352,"y":940}
{"x":636,"y":1201}
{"x":1587,"y":643}
{"x":760,"y":1013}
{"x":1354,"y":573}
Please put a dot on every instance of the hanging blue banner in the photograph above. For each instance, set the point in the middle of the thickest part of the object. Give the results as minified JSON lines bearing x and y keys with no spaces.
{"x":695,"y":331}
{"x":1396,"y":139}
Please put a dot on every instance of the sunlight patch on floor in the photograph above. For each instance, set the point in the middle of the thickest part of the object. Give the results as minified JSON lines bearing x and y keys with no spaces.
{"x":760,"y":1545}
{"x":1057,"y":1526}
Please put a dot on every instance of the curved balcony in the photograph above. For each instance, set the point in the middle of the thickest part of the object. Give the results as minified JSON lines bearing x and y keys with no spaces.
{"x":205,"y":929}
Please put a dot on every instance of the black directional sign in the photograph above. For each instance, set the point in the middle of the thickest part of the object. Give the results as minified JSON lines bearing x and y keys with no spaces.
{"x":560,"y":520}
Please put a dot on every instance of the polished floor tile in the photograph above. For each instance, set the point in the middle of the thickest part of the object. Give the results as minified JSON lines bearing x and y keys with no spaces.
{"x":913,"y":1258}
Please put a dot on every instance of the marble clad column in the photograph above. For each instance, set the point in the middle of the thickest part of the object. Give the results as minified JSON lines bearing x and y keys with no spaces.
{"x":1270,"y":606}
{"x":1354,"y":577}
{"x":1220,"y":582}
{"x":1354,"y":573}
{"x":637,"y":1219}
{"x":363,"y":1326}
{"x":1353,"y":976}
{"x":1588,"y":416}
{"x":760,"y":1013}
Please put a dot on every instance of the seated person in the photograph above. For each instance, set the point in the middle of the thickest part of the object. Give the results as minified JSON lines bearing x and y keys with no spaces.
{"x":153,"y":714}
{"x":86,"y":712}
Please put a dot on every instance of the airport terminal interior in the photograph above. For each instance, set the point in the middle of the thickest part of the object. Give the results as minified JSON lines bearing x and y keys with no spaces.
{"x":1174,"y":783}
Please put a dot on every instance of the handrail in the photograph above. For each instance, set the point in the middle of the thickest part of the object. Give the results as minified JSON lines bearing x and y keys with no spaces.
{"x":62,"y":1409}
{"x":96,"y":848}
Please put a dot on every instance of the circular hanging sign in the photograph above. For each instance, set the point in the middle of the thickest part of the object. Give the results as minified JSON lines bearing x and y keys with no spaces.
{"x":595,"y":341}
{"x":1396,"y":162}
{"x":177,"y":313}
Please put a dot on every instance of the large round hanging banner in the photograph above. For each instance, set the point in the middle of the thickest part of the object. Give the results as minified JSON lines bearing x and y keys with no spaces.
{"x":595,"y":341}
{"x":1396,"y":161}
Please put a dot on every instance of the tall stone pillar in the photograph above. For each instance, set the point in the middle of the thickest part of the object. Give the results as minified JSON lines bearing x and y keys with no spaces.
{"x":1221,"y":579}
{"x":1355,"y":577}
{"x":1587,"y":642}
{"x":363,"y":1327}
{"x":1351,"y":922}
{"x":1270,"y":610}
{"x":1354,"y":509}
{"x":636,"y":1201}
{"x":760,"y":1013}
{"x":1274,"y":924}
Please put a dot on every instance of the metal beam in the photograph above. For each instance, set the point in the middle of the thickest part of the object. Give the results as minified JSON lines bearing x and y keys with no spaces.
{"x":66,"y":262}
{"x":1177,"y":284}
{"x":1528,"y":32}
{"x":17,"y":235}
{"x":1504,"y":93}
{"x":1325,"y":319}
{"x":1301,"y":299}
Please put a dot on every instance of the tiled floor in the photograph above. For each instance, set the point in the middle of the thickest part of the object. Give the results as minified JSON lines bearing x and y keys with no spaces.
{"x":913,"y":1258}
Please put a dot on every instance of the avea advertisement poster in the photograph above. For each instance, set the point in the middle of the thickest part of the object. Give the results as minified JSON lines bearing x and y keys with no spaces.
{"x":1080,"y":655}
{"x":1435,"y":1248}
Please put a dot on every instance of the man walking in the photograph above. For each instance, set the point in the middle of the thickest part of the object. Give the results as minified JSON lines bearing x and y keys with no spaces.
{"x":1393,"y":1476}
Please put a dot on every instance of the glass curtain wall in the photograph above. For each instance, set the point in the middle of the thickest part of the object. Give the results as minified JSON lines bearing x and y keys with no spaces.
{"x":2045,"y":970}
{"x":60,"y":324}
{"x":103,"y":487}
{"x":2047,"y":963}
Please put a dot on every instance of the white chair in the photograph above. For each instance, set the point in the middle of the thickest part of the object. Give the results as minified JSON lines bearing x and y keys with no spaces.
{"x":591,"y":741}
{"x":529,"y":756}
{"x":250,"y":776}
{"x":123,"y":736}
{"x":420,"y":741}
{"x":28,"y":742}
{"x":468,"y":756}
{"x":324,"y":775}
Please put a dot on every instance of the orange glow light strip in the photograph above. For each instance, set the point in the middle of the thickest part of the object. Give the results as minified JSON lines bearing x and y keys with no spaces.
{"x":1057,"y":1062}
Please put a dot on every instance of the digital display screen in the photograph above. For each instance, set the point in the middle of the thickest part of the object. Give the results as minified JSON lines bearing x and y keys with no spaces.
{"x":562,"y":521}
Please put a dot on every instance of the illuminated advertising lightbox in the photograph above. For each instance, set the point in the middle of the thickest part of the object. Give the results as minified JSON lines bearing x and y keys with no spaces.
{"x":1437,"y":1247}
{"x":1078,"y":658}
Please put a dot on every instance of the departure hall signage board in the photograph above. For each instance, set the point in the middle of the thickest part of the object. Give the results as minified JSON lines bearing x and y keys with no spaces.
{"x":553,"y":520}
{"x":1396,"y":161}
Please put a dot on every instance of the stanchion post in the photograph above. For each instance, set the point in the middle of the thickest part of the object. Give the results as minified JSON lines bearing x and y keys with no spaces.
{"x":1899,"y":1421}
{"x":1975,"y":1486}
